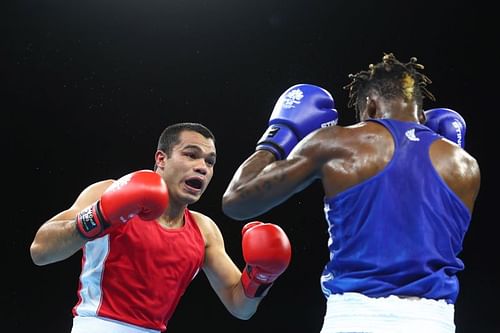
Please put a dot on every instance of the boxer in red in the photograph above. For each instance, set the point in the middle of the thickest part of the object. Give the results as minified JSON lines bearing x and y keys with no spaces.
{"x":142,"y":246}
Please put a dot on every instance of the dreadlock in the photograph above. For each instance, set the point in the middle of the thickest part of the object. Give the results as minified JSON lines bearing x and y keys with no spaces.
{"x":390,"y":78}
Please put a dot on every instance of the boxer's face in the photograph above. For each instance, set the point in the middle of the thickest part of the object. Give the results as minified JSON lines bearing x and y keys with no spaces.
{"x":190,"y":167}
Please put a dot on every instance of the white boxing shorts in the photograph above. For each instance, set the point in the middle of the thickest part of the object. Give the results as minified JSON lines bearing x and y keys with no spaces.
{"x":105,"y":325}
{"x":357,"y":313}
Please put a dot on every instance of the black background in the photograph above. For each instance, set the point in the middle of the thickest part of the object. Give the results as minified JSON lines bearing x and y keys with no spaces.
{"x":88,"y":86}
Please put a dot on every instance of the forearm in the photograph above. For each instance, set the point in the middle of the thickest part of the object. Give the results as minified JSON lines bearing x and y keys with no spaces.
{"x":262,"y":183}
{"x":243,"y":307}
{"x":225,"y":279}
{"x":251,"y":168}
{"x":55,"y":241}
{"x":240,"y":198}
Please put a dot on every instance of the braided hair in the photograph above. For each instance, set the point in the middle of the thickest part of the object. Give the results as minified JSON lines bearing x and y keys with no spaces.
{"x":390,"y":79}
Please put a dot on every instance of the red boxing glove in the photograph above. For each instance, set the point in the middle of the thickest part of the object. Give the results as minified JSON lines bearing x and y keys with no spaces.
{"x":142,"y":193}
{"x":267,"y":252}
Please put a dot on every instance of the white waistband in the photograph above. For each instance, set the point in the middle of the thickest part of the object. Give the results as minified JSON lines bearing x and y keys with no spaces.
{"x":357,"y":313}
{"x":105,"y":325}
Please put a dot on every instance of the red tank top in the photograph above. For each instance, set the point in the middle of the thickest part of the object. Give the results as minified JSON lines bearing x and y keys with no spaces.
{"x":138,"y":273}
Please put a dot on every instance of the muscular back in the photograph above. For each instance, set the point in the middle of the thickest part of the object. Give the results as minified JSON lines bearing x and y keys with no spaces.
{"x":351,"y":155}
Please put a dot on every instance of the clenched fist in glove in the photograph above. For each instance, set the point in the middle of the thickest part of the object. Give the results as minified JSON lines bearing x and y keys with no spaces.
{"x":300,"y":110}
{"x":267,"y":254}
{"x":142,"y":193}
{"x":447,"y":123}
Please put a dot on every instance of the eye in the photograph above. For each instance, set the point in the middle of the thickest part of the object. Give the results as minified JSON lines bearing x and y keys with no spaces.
{"x":190,"y":155}
{"x":210,"y":161}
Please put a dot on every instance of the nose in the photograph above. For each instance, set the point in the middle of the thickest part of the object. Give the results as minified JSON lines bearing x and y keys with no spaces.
{"x":201,"y":167}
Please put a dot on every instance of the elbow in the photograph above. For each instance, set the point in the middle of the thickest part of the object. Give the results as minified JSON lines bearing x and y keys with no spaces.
{"x":37,"y":255}
{"x":243,"y":315}
{"x":233,"y":213}
{"x":231,"y":208}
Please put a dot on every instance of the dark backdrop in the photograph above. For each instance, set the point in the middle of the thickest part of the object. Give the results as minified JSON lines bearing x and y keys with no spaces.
{"x":88,"y":86}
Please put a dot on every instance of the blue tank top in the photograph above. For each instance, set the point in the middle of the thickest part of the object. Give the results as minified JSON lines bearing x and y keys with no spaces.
{"x":399,"y":232}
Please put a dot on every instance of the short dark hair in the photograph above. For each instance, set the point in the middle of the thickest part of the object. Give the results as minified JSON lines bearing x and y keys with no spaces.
{"x":390,"y":78}
{"x":170,"y":135}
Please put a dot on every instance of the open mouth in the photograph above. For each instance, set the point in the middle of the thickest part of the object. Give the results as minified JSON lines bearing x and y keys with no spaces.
{"x":195,"y":183}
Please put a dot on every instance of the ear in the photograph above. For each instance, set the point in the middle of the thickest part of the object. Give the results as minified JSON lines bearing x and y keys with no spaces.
{"x":421,"y":116}
{"x":160,"y":159}
{"x":371,"y":107}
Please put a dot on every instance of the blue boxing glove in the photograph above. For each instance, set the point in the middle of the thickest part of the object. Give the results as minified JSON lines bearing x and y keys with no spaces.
{"x":300,"y":110}
{"x":447,"y":123}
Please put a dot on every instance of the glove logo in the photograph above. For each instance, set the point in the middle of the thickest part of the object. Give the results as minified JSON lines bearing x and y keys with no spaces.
{"x":87,"y":220}
{"x":329,"y":123}
{"x":272,"y":131}
{"x":120,"y":183}
{"x":458,"y":129}
{"x":127,"y":218}
{"x":262,"y":277}
{"x":292,"y":97}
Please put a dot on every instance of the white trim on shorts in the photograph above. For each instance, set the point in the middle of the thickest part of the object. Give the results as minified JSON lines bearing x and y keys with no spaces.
{"x":357,"y":313}
{"x":104,"y":325}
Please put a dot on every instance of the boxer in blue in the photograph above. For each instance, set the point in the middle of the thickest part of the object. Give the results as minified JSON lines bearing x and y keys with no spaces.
{"x":399,"y":192}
